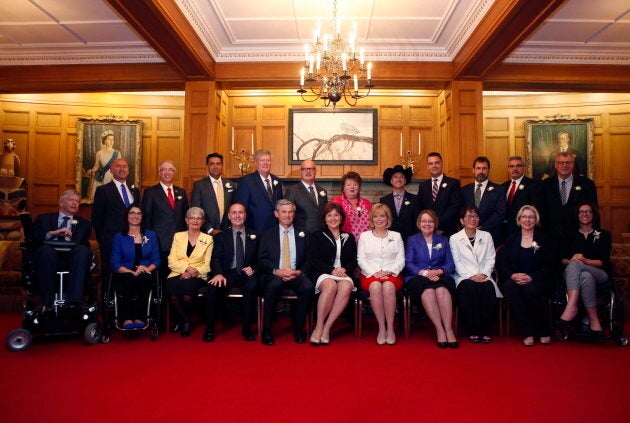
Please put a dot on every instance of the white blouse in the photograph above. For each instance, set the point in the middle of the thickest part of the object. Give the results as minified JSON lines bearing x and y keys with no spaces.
{"x":375,"y":254}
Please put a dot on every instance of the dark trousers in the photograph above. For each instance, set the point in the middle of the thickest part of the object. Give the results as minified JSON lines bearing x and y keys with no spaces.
{"x":304,"y":289}
{"x":477,"y":306}
{"x":133,"y":295}
{"x":48,"y":261}
{"x":527,"y":305}
{"x":249,"y":288}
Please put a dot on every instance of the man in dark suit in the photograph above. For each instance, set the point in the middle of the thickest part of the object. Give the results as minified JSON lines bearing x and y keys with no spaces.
{"x":520,"y":190}
{"x":488,"y":197}
{"x":164,"y":206}
{"x":258,"y":192}
{"x":233,"y":266}
{"x":405,"y":206}
{"x":208,"y":192}
{"x":111,"y":202}
{"x":309,"y":199}
{"x":65,"y":225}
{"x":282,"y":262}
{"x":441,"y":194}
{"x":562,"y":194}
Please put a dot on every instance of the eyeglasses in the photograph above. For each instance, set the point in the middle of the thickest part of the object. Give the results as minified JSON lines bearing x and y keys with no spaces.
{"x":426,"y":221}
{"x":195,"y":218}
{"x":167,"y":169}
{"x":586,"y":212}
{"x":564,"y":163}
{"x":471,"y":216}
{"x":528,"y":217}
{"x":135,"y":213}
{"x":515,"y":165}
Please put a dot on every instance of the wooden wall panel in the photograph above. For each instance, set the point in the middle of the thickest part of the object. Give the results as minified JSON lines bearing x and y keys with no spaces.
{"x":47,"y":161}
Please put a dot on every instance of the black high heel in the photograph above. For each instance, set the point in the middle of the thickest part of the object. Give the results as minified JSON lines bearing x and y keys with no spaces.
{"x":442,"y":344}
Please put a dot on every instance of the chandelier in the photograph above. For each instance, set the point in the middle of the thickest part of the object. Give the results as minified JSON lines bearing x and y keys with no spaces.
{"x":333,"y":67}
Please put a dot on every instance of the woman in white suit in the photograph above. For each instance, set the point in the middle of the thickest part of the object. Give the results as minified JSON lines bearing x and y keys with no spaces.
{"x":474,"y":255}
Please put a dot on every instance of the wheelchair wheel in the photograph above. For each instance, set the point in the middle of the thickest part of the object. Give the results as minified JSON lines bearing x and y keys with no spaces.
{"x":622,"y":341}
{"x":92,"y":334}
{"x":562,"y":334}
{"x":19,"y":340}
{"x":105,"y":339}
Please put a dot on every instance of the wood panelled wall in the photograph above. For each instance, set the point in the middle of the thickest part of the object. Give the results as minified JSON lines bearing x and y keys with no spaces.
{"x":504,"y":136}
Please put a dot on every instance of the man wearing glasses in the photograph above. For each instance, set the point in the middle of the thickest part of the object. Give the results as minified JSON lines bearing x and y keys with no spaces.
{"x":561,"y":195}
{"x":519,"y":190}
{"x":309,"y":198}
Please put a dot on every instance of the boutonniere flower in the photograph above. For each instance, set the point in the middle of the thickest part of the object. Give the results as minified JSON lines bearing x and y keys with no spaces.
{"x":406,"y":203}
{"x":252,"y":236}
{"x":228,"y":185}
{"x":145,"y":240}
{"x":322,"y":193}
{"x":132,"y":187}
{"x":444,"y":185}
{"x":535,"y":246}
{"x":74,"y":222}
{"x":275,"y":182}
{"x":490,"y":188}
{"x":179,"y":197}
{"x":578,"y":188}
{"x":596,"y":235}
{"x":359,"y":210}
{"x":301,"y":234}
{"x":521,"y":187}
{"x":203,"y":241}
{"x":344,"y":236}
{"x":390,"y":240}
{"x":437,"y":246}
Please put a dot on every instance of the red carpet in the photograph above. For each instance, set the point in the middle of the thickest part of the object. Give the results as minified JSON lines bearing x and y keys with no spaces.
{"x":352,"y":380}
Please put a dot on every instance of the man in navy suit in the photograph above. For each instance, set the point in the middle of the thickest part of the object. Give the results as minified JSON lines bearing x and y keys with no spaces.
{"x":405,"y":207}
{"x":164,"y":206}
{"x":258,"y":192}
{"x":309,"y":199}
{"x":233,"y":268}
{"x":65,"y":225}
{"x":282,"y":262}
{"x":111,"y":202}
{"x":488,"y":197}
{"x":207,"y":192}
{"x":519,"y":190}
{"x":442,"y":195}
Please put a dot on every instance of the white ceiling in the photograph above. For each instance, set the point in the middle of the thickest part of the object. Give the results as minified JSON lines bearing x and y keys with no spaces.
{"x":46,"y":32}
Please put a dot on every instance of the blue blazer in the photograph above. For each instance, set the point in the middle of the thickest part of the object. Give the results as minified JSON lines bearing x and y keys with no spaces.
{"x":253,"y":195}
{"x":124,"y":251}
{"x":417,"y":256}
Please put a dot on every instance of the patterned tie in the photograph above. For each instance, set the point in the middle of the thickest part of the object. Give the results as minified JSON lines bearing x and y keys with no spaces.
{"x":269,"y":191}
{"x":125,"y":197}
{"x":171,"y":199}
{"x":286,"y":251}
{"x":64,"y":224}
{"x":511,"y":194}
{"x":312,"y":191}
{"x":435,"y":189}
{"x":563,"y":192}
{"x":478,"y":195}
{"x":397,"y":202}
{"x":240,"y":252}
{"x":218,"y":190}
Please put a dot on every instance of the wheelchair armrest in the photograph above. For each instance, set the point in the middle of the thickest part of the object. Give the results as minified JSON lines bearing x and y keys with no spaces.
{"x":61,"y":246}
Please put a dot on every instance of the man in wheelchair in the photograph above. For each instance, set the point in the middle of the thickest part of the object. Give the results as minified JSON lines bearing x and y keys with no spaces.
{"x":61,"y":242}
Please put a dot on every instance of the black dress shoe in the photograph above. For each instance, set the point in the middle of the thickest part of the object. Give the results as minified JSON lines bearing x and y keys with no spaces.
{"x":442,"y":344}
{"x":248,"y":335}
{"x":208,"y":335}
{"x":453,"y":344}
{"x":267,"y":338}
{"x":299,"y":336}
{"x":185,"y":329}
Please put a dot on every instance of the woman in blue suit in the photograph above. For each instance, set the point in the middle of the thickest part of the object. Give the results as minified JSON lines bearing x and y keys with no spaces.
{"x":429,"y":265}
{"x":135,"y":256}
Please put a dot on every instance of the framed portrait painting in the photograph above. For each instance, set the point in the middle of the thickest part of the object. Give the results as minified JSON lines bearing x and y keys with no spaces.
{"x":333,"y":136}
{"x":99,"y":143}
{"x":546,"y":138}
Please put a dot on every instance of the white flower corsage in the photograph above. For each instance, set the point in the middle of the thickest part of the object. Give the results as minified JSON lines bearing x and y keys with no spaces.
{"x":578,"y":188}
{"x":301,"y":234}
{"x":252,"y":236}
{"x":344,"y":236}
{"x":521,"y":187}
{"x":359,"y":210}
{"x":437,"y":246}
{"x":132,"y":187}
{"x":74,"y":222}
{"x":275,"y":182}
{"x":179,"y":197}
{"x":202,"y":241}
{"x":145,"y":240}
{"x":322,"y":193}
{"x":228,"y":185}
{"x":535,"y":246}
{"x":490,"y":188}
{"x":406,"y":203}
{"x":596,"y":235}
{"x":444,"y":185}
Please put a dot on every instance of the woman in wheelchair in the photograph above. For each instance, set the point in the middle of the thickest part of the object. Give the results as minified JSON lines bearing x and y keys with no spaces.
{"x":586,"y":255}
{"x":135,"y":255}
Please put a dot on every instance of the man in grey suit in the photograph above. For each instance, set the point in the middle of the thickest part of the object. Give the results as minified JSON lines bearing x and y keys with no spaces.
{"x":214,"y":195}
{"x":309,"y":199}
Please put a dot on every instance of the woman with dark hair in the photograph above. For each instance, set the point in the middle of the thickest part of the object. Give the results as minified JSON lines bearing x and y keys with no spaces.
{"x":333,"y":259}
{"x":135,"y":255}
{"x":474,"y":255}
{"x":429,"y":264}
{"x":355,"y":207}
{"x":586,"y":255}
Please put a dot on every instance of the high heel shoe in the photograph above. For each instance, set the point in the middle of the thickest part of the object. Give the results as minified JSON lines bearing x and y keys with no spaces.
{"x":381,"y":340}
{"x":529,"y":341}
{"x":324,"y":341}
{"x":315,"y":340}
{"x":442,"y":344}
{"x":391,"y":338}
{"x":453,"y":345}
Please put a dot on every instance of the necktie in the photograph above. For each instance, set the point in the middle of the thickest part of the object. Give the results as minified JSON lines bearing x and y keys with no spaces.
{"x":64,"y":224}
{"x":171,"y":199}
{"x":511,"y":194}
{"x":563,"y":192}
{"x":269,"y":191}
{"x":125,"y":197}
{"x":240,"y":252}
{"x":312,"y":191}
{"x":218,"y":190}
{"x":435,"y":189}
{"x":478,"y":195}
{"x":397,"y":202}
{"x":286,"y":251}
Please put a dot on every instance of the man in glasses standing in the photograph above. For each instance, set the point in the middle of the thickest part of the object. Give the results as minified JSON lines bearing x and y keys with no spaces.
{"x":309,"y":198}
{"x":519,"y":190}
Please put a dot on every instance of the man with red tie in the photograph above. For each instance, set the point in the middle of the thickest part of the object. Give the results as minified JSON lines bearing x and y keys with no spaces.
{"x":520,"y":190}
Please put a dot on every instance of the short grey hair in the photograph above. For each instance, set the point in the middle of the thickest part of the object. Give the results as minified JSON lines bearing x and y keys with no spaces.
{"x":262,"y":152}
{"x":195,"y":210}
{"x":71,"y":192}
{"x":284,"y":202}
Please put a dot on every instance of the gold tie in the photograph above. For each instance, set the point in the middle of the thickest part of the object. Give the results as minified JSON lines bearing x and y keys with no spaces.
{"x":218,"y":189}
{"x":286,"y":251}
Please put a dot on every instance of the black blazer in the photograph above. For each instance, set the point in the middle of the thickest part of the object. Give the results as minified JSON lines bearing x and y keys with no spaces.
{"x":544,"y":259}
{"x":405,"y":222}
{"x":223,"y":252}
{"x":447,"y":204}
{"x":323,"y":249}
{"x":108,"y":213}
{"x":269,"y":250}
{"x":160,"y":217}
{"x":558,"y":219}
{"x":252,"y":193}
{"x":491,"y":208}
{"x":203,"y":196}
{"x":522,"y":196}
{"x":308,"y":215}
{"x":47,"y":222}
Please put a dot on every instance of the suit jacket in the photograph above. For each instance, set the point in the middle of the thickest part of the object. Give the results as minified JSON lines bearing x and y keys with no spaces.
{"x":269,"y":250}
{"x":417,"y":256}
{"x":323,"y":250}
{"x":124,"y":251}
{"x":160,"y":217}
{"x":473,"y":259}
{"x":526,"y":193}
{"x":509,"y":258}
{"x":47,"y":222}
{"x":203,"y":196}
{"x":199,"y":259}
{"x":252,"y":193}
{"x":223,"y":252}
{"x":556,"y":218}
{"x":405,"y":221}
{"x":491,"y":208}
{"x":308,"y":215}
{"x":108,"y":213}
{"x":447,"y":203}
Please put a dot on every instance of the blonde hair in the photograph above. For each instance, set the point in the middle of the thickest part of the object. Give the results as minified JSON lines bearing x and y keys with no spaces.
{"x":377,"y":208}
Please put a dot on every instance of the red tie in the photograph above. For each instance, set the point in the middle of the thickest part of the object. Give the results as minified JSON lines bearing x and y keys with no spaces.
{"x":171,"y":199}
{"x":511,"y":194}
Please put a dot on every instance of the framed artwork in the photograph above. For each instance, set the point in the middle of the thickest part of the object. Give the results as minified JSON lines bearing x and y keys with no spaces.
{"x":546,"y":138}
{"x":99,"y":143}
{"x":333,"y":137}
